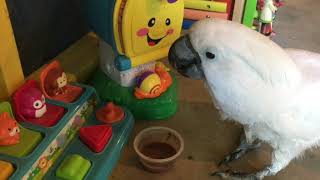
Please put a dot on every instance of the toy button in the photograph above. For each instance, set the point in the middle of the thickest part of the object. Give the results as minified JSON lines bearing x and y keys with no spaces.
{"x":74,"y":167}
{"x":9,"y":130}
{"x":122,"y":63}
{"x":110,"y":113}
{"x":6,"y":169}
{"x":54,"y":84}
{"x":30,"y":106}
{"x":96,"y":137}
{"x":28,"y":141}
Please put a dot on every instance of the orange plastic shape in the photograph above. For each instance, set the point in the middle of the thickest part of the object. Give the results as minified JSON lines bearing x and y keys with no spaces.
{"x":66,"y":94}
{"x":6,"y":169}
{"x":9,"y":130}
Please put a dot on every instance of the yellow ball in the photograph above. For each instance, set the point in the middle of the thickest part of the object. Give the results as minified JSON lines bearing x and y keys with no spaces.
{"x":151,"y":84}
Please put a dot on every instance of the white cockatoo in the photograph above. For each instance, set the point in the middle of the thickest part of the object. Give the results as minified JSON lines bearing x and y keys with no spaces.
{"x":273,"y":92}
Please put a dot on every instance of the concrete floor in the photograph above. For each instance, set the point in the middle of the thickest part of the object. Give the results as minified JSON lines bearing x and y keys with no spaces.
{"x":207,"y":138}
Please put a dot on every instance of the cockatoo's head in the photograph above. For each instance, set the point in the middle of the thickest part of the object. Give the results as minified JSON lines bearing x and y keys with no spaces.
{"x":227,"y":51}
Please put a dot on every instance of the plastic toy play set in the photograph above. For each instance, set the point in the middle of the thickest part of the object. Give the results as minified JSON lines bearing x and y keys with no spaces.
{"x":60,"y":131}
{"x":133,"y":35}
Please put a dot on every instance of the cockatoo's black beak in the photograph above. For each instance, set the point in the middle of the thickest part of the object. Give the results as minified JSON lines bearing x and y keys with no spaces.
{"x":184,"y":58}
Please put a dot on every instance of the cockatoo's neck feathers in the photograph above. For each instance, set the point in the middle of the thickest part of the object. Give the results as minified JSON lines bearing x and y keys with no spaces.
{"x":271,"y":62}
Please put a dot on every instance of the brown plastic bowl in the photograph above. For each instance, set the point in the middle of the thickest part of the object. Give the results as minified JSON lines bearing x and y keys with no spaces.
{"x":163,"y":135}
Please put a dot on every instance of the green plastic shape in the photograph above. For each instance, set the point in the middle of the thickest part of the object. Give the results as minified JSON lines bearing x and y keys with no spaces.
{"x":28,"y":139}
{"x":159,"y":108}
{"x":6,"y":107}
{"x":74,"y":167}
{"x":250,"y":12}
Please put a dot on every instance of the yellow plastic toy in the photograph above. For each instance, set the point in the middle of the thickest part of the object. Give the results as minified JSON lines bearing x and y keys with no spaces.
{"x":134,"y":34}
{"x":148,"y":28}
{"x":11,"y":76}
{"x":141,"y":31}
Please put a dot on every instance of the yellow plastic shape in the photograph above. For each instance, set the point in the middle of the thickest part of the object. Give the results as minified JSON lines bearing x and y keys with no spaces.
{"x":11,"y":76}
{"x":150,"y":82}
{"x":6,"y":170}
{"x":145,"y":29}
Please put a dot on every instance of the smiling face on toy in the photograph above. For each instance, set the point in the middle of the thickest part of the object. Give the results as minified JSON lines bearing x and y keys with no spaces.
{"x":33,"y":103}
{"x":62,"y":80}
{"x":155,"y":24}
{"x":153,"y":36}
{"x":55,"y":82}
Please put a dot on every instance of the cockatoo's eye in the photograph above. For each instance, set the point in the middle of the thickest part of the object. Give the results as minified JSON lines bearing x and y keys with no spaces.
{"x":210,"y":55}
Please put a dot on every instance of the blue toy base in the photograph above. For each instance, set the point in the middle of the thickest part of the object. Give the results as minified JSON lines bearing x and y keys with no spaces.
{"x":105,"y":161}
{"x":62,"y":140}
{"x":187,"y":23}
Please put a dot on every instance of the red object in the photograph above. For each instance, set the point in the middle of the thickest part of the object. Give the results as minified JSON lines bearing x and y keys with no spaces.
{"x":9,"y":130}
{"x":279,"y":3}
{"x":260,"y":4}
{"x":266,"y":29}
{"x":110,"y":113}
{"x":53,"y":84}
{"x":230,"y":5}
{"x":25,"y":103}
{"x":96,"y":137}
